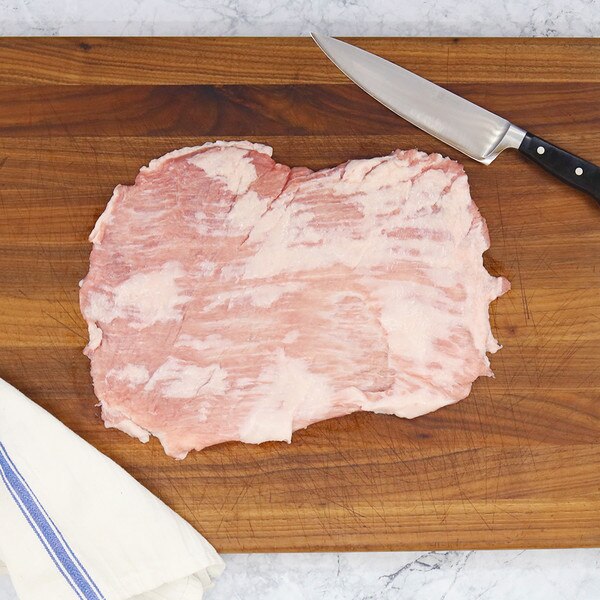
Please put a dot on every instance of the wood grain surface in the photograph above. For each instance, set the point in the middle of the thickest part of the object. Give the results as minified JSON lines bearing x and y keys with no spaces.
{"x":517,"y":464}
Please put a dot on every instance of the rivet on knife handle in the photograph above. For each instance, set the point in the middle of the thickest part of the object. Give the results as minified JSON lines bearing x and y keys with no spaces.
{"x":571,"y":169}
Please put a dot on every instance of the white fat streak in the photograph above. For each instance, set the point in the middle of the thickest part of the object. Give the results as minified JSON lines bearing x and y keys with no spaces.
{"x":130,"y":428}
{"x":146,"y":217}
{"x":151,"y":297}
{"x":210,"y":342}
{"x":117,"y":420}
{"x":192,"y":150}
{"x":284,"y":387}
{"x":202,"y":413}
{"x":412,"y":323}
{"x":181,"y":379}
{"x":100,"y":309}
{"x":291,"y":337}
{"x":95,"y":334}
{"x":234,"y":168}
{"x":264,"y":296}
{"x":374,"y":174}
{"x":258,"y":295}
{"x":132,"y":374}
{"x":206,"y":268}
{"x":232,"y":271}
{"x":202,"y":226}
{"x":409,"y":404}
{"x":246,"y":211}
{"x":146,"y":298}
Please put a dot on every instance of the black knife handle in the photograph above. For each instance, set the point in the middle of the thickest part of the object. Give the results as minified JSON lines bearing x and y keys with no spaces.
{"x":571,"y":169}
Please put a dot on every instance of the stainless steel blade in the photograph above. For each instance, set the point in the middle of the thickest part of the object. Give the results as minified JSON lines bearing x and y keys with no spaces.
{"x":476,"y":132}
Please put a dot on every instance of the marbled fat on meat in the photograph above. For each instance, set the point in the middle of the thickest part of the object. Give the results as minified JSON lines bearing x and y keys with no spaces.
{"x":233,"y":298}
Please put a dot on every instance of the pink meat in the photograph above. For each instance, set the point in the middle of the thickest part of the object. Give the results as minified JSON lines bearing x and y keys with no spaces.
{"x":233,"y":298}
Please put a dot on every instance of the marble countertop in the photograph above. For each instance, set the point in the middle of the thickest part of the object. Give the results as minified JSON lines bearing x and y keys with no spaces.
{"x":299,"y":17}
{"x":484,"y":575}
{"x":530,"y":574}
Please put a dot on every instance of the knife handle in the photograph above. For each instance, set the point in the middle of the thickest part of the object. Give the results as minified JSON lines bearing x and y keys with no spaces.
{"x":573,"y":170}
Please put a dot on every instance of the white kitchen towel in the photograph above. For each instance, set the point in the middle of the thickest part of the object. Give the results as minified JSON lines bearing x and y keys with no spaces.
{"x":73,"y":524}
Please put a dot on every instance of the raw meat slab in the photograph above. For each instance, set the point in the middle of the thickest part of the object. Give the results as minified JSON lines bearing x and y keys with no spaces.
{"x":233,"y":298}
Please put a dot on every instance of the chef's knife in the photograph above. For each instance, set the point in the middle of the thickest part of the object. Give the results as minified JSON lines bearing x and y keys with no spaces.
{"x":474,"y":131}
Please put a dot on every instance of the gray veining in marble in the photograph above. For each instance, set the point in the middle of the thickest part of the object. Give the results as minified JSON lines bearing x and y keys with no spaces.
{"x":501,"y":575}
{"x":497,"y":575}
{"x":298,"y":17}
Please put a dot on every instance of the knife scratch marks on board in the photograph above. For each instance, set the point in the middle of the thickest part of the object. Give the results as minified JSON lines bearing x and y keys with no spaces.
{"x":174,"y":485}
{"x":524,"y":301}
{"x":501,"y":218}
{"x":73,"y":331}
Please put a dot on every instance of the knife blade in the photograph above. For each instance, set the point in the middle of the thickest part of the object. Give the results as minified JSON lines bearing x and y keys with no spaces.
{"x":467,"y":127}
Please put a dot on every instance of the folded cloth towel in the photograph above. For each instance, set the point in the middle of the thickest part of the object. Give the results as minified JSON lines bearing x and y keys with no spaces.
{"x":73,"y":524}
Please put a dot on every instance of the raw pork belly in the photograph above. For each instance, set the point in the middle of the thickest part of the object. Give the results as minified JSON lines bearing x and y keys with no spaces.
{"x":233,"y":298}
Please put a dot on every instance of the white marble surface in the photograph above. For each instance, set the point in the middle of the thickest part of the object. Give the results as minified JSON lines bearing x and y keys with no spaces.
{"x":498,"y":575}
{"x":298,"y":17}
{"x":514,"y":575}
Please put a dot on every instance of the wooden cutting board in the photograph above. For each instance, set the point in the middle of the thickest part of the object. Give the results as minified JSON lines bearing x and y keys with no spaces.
{"x":517,"y":464}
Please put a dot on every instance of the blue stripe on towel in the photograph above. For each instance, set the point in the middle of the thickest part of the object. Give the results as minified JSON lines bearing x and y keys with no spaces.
{"x":46,"y":531}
